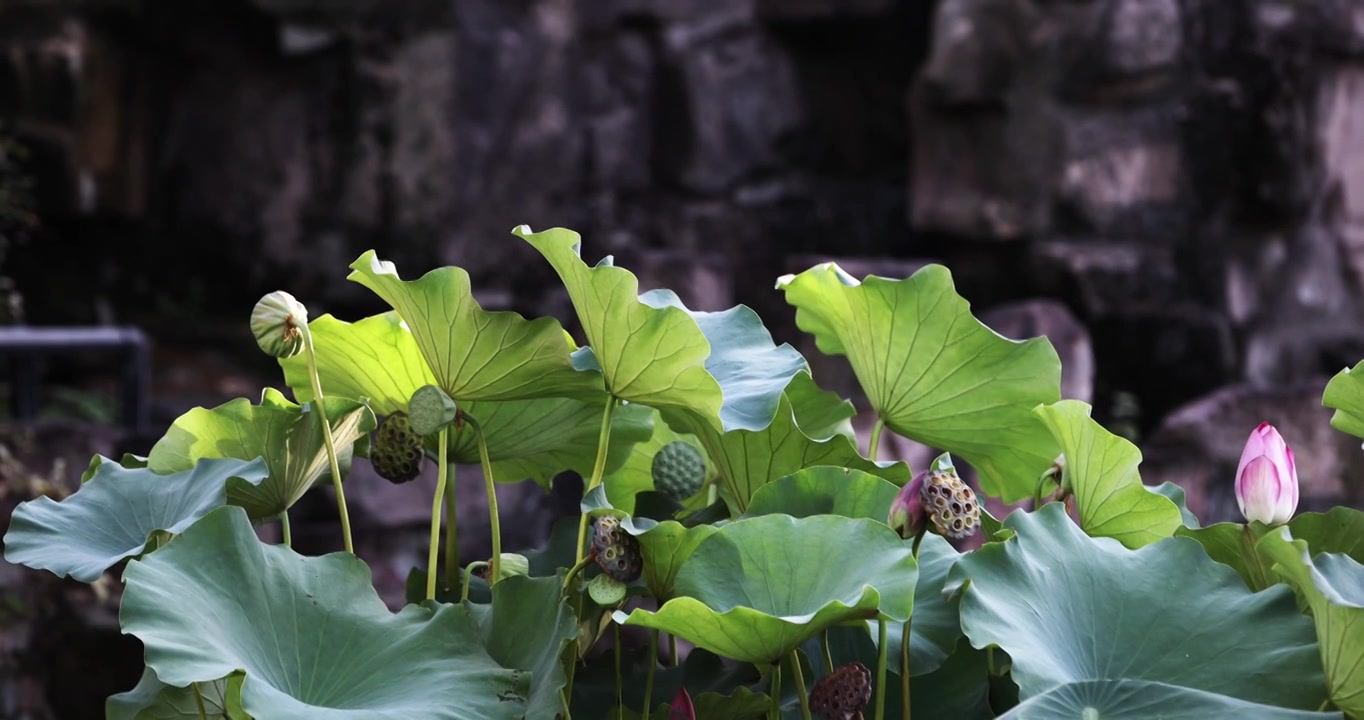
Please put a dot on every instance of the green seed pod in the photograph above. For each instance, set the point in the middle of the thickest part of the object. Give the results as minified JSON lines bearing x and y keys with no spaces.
{"x":679,"y":470}
{"x":616,"y":551}
{"x":396,"y":452}
{"x":278,"y":322}
{"x":606,"y":590}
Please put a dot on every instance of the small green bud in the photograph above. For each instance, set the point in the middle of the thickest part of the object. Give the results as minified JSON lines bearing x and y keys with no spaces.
{"x":278,"y":322}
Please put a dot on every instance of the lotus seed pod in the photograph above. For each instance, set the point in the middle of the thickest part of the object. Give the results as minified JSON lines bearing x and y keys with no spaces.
{"x":679,"y":470}
{"x":606,"y":590}
{"x":616,"y":551}
{"x":950,"y":504}
{"x":396,"y":452}
{"x":842,"y":694}
{"x":278,"y":322}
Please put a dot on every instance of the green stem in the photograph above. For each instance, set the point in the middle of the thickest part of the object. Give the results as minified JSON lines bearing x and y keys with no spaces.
{"x":599,"y":469}
{"x":1324,"y":705}
{"x":335,"y":468}
{"x":284,"y":529}
{"x":828,"y":656}
{"x":712,"y":494}
{"x":649,"y":683}
{"x":775,"y":712}
{"x":881,"y":655}
{"x":875,"y":444}
{"x":441,"y":479}
{"x":573,"y":571}
{"x":672,"y":645}
{"x":451,"y":534}
{"x":620,"y":695}
{"x":492,"y":501}
{"x":468,"y":579}
{"x":800,"y":686}
{"x":904,"y":668}
{"x":199,"y":701}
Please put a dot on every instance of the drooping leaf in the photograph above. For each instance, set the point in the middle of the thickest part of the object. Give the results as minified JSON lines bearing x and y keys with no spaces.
{"x":648,"y":355}
{"x":526,"y":627}
{"x":1143,"y":700}
{"x":112,"y":516}
{"x":1102,"y":471}
{"x":758,"y":587}
{"x":1345,"y":394}
{"x":311,"y":634}
{"x":1339,"y":530}
{"x":825,"y":490}
{"x":154,"y":700}
{"x":1333,"y":586}
{"x":378,"y":358}
{"x":933,"y":372}
{"x":1047,"y":594}
{"x":665,"y":548}
{"x":288,"y":436}
{"x":473,"y":353}
{"x":746,"y":460}
{"x":1175,"y":494}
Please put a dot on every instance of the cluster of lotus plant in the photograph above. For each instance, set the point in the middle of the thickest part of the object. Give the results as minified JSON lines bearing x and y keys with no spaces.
{"x":738,"y":553}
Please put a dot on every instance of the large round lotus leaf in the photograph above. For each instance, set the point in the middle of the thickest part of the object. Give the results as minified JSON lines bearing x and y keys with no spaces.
{"x":311,"y":634}
{"x":112,"y":516}
{"x":757,"y":588}
{"x":1141,"y":700}
{"x":1333,"y":586}
{"x":288,"y":436}
{"x":933,"y":372}
{"x":518,"y":603}
{"x":1069,"y":608}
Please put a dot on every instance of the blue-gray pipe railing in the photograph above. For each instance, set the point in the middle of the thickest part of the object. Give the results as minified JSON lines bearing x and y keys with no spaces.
{"x":24,"y":344}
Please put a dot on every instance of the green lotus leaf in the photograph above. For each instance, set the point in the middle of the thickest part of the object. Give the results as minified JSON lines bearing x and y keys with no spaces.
{"x":825,"y":490}
{"x":1045,"y":595}
{"x":519,"y":604}
{"x":311,"y":634}
{"x":747,"y":459}
{"x":936,"y":628}
{"x":1339,"y":530}
{"x":1142,"y":700}
{"x":665,"y":547}
{"x":288,"y":436}
{"x":757,"y":588}
{"x":378,"y":358}
{"x":154,"y":700}
{"x":475,"y":354}
{"x":1333,"y":587}
{"x":1345,"y":394}
{"x":1101,"y":469}
{"x":113,"y":515}
{"x":1175,"y":494}
{"x":933,"y":372}
{"x":649,"y":355}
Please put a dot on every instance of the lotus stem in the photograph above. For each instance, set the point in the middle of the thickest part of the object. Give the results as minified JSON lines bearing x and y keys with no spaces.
{"x":828,"y":656}
{"x":875,"y":443}
{"x":649,"y":683}
{"x":598,"y":469}
{"x":451,"y":532}
{"x":801,"y":692}
{"x":199,"y":701}
{"x":620,"y":695}
{"x":442,"y":477}
{"x":672,"y":646}
{"x":573,"y":571}
{"x":284,"y":529}
{"x":904,"y":669}
{"x":468,"y":578}
{"x":775,"y":712}
{"x":327,"y":438}
{"x":881,"y":655}
{"x":491,"y":487}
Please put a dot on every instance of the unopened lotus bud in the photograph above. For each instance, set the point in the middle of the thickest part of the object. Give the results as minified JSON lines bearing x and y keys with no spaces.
{"x":1267,"y":478}
{"x":907,"y":515}
{"x":952,"y":508}
{"x":681,"y":707}
{"x":510,"y":564}
{"x":278,"y":322}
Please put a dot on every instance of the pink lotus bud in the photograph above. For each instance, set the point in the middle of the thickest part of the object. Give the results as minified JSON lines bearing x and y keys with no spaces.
{"x":681,"y":708}
{"x":907,"y":514}
{"x":1266,"y":479}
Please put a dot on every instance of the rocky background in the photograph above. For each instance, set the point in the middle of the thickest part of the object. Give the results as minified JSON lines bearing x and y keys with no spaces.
{"x":1170,"y":190}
